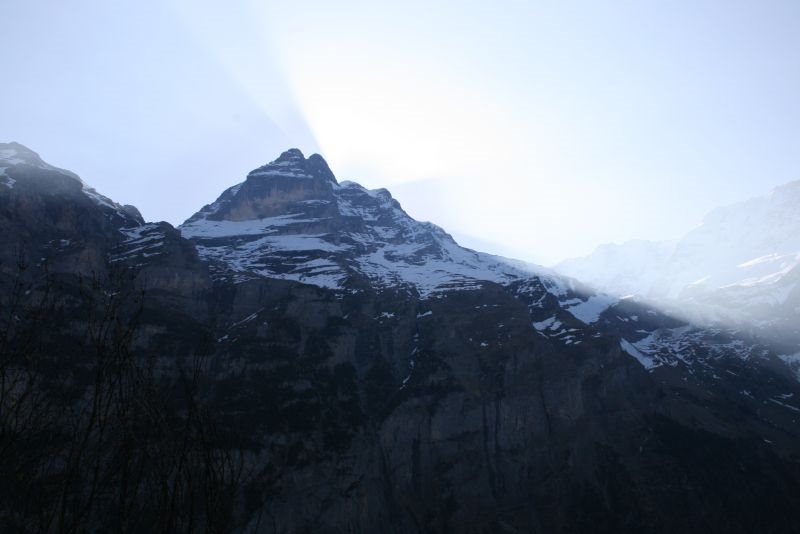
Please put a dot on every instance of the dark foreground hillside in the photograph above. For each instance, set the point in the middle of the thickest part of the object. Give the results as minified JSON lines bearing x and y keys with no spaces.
{"x":302,"y":356}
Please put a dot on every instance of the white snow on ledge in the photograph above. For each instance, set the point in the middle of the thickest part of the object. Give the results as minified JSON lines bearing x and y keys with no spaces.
{"x":793,"y":361}
{"x":548,"y":324}
{"x":589,"y":311}
{"x":648,"y":362}
{"x":7,"y":180}
{"x":290,"y":173}
{"x":205,"y":228}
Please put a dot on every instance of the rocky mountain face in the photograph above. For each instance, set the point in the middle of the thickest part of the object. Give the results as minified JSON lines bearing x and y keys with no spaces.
{"x":292,"y":220}
{"x":367,"y":374}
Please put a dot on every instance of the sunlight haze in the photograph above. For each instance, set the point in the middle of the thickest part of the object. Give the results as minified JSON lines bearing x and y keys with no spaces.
{"x":531,"y":129}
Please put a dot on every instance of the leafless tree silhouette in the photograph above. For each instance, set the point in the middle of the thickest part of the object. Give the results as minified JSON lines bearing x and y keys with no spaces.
{"x":94,"y":435}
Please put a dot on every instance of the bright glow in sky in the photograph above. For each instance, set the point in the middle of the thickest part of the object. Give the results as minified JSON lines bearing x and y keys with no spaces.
{"x":532,"y":129}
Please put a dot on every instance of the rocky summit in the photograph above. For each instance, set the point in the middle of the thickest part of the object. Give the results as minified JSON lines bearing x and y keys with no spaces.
{"x":292,"y":220}
{"x":302,"y":356}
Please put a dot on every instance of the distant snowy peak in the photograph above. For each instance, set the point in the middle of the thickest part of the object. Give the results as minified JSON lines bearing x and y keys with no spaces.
{"x":291,"y":219}
{"x":750,"y":243}
{"x":630,"y":268}
{"x":21,"y":165}
{"x":742,"y":264}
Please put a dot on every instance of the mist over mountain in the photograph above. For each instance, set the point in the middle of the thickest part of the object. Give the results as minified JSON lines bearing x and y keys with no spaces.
{"x":301,"y":355}
{"x":743,"y":244}
{"x":738,"y":268}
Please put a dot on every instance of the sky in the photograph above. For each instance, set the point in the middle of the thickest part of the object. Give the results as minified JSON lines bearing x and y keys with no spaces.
{"x":537,"y":130}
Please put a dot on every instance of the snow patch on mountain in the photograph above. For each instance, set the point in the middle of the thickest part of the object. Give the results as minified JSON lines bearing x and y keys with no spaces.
{"x":793,"y":362}
{"x":7,"y":180}
{"x":647,"y":361}
{"x":138,"y":244}
{"x":258,"y":227}
{"x":588,"y":311}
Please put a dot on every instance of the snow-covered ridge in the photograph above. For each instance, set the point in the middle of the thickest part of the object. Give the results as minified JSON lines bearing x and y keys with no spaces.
{"x":314,"y":230}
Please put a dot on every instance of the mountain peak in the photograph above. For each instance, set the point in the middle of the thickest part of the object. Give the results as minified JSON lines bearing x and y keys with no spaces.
{"x":292,"y":164}
{"x":15,"y":153}
{"x":293,"y":155}
{"x":290,"y":219}
{"x":18,"y":162}
{"x":319,"y":167}
{"x":17,"y":156}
